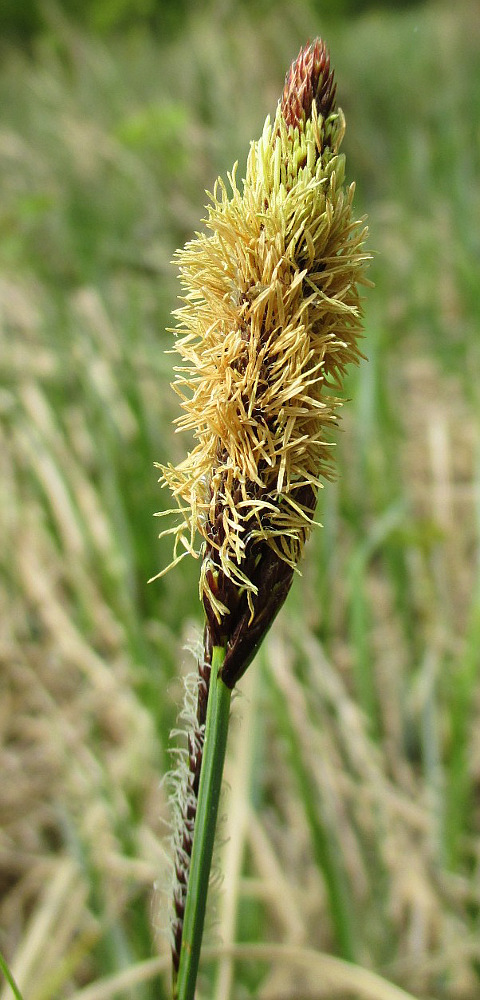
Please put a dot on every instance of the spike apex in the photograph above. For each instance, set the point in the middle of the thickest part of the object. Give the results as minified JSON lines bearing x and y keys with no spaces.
{"x":309,"y":80}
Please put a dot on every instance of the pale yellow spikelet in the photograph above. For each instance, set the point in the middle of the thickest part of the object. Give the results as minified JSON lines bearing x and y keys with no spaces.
{"x":270,"y":319}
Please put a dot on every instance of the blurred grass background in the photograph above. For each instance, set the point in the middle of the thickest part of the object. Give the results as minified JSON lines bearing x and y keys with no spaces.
{"x":353,"y":819}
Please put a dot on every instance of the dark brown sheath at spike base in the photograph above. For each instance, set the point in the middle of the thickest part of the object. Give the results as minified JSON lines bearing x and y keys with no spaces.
{"x":271,"y":318}
{"x":241,"y":630}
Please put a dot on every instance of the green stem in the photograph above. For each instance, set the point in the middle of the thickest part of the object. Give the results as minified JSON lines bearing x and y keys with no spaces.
{"x":216,"y":730}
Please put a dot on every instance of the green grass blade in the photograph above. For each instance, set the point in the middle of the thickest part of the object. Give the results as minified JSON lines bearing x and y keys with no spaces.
{"x":216,"y":730}
{"x":10,"y":980}
{"x":324,"y":846}
{"x":459,"y":792}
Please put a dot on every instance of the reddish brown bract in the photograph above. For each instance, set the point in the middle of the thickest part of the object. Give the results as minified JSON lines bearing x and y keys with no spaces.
{"x":309,"y":79}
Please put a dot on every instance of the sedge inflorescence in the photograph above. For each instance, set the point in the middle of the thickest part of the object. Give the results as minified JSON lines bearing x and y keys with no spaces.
{"x":271,"y":317}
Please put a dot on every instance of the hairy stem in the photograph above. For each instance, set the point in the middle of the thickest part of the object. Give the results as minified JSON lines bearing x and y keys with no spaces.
{"x":213,"y":756}
{"x":184,"y":843}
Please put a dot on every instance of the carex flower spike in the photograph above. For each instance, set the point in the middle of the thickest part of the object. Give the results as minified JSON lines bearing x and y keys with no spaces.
{"x":270,"y":318}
